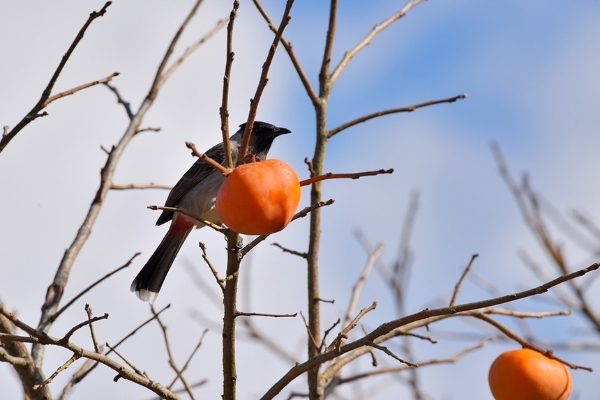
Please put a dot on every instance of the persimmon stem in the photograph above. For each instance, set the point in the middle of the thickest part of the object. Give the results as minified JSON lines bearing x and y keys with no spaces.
{"x":355,"y":175}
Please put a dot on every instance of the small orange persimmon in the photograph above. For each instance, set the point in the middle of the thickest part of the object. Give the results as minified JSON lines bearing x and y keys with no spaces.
{"x":525,"y":374}
{"x":259,"y":198}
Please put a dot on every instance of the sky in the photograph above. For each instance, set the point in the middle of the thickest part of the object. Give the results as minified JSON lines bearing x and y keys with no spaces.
{"x":530,"y":70}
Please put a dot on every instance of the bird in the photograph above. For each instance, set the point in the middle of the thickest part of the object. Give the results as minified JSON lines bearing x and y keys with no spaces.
{"x":196,"y":193}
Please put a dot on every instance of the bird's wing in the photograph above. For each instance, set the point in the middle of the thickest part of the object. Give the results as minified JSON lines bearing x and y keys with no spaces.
{"x":196,"y":174}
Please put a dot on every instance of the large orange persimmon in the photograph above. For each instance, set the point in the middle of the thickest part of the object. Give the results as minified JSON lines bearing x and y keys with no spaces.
{"x":525,"y":374}
{"x":259,"y":198}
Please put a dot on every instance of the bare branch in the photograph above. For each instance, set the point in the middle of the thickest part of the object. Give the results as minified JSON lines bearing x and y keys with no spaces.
{"x":79,"y":88}
{"x":88,"y":310}
{"x":353,"y":175}
{"x":356,"y":290}
{"x":461,"y":279}
{"x":262,"y":83}
{"x":159,"y":78}
{"x":300,"y":214}
{"x":90,"y":365}
{"x":412,"y":108}
{"x":367,"y":39}
{"x":381,"y":371}
{"x":74,"y":329}
{"x":390,"y":326}
{"x":521,"y":314}
{"x":141,"y":187}
{"x":325,"y":81}
{"x":56,"y":289}
{"x":286,"y":250}
{"x":312,"y":95}
{"x":224,"y":170}
{"x":126,"y":105}
{"x":212,"y":268}
{"x":53,"y":317}
{"x":60,"y":369}
{"x":524,"y":342}
{"x":187,"y":214}
{"x":337,"y":343}
{"x":43,"y":101}
{"x":255,"y":314}
{"x":17,"y":354}
{"x":129,"y":363}
{"x":172,"y":363}
{"x":391,"y":354}
{"x":187,"y":363}
{"x":224,"y":110}
{"x":188,"y":51}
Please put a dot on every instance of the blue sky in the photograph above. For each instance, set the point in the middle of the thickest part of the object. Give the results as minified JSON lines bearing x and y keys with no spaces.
{"x":530,"y":70}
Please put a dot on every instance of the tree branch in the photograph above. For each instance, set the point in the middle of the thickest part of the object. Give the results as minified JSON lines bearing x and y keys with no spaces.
{"x":262,"y":83}
{"x":44,"y":99}
{"x":388,"y":327}
{"x":412,"y":108}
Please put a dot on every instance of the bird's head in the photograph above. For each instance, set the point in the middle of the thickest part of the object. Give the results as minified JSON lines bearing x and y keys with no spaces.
{"x":262,"y":137}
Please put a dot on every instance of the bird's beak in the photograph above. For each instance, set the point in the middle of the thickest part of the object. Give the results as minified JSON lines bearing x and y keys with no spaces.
{"x":281,"y":131}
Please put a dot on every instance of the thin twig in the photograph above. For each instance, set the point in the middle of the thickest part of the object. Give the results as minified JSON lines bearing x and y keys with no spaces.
{"x":212,"y":268}
{"x":286,"y":250}
{"x":524,"y":342}
{"x":391,"y":354}
{"x":133,"y":367}
{"x":79,"y":88}
{"x":159,"y":78}
{"x":74,"y":329}
{"x":43,"y":101}
{"x":90,"y":315}
{"x":312,"y":95}
{"x":126,"y":105}
{"x":381,"y":371}
{"x":60,"y":369}
{"x":184,"y":212}
{"x":255,"y":314}
{"x":262,"y":83}
{"x":390,"y":326}
{"x":367,"y":39}
{"x":90,"y":364}
{"x":142,"y":187}
{"x":172,"y":363}
{"x":148,"y":129}
{"x":224,"y":170}
{"x":41,"y":338}
{"x":412,"y":108}
{"x":300,"y":214}
{"x":87,"y":289}
{"x":353,"y":175}
{"x":337,"y":343}
{"x":310,"y":335}
{"x":224,"y":110}
{"x":326,"y":333}
{"x":187,"y":362}
{"x":356,"y":290}
{"x":56,"y":288}
{"x":461,"y":279}
{"x":188,"y":51}
{"x":521,"y":314}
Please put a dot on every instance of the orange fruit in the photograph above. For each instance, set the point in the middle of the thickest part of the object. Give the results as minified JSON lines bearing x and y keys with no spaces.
{"x":259,"y":198}
{"x":525,"y":374}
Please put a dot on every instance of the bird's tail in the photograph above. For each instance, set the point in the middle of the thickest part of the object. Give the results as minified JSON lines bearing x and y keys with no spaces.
{"x":148,"y":282}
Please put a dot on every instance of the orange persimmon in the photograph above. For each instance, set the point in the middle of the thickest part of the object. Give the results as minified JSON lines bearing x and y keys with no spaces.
{"x":259,"y":198}
{"x":525,"y":374}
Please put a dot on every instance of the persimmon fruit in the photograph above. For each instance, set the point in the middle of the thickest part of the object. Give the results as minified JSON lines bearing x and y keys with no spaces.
{"x":525,"y":374}
{"x":259,"y":198}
